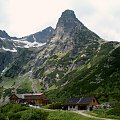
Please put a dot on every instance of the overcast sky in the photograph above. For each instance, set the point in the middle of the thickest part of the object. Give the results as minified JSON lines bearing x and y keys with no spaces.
{"x":23,"y":17}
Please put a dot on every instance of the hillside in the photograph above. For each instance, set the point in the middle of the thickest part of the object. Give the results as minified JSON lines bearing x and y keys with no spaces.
{"x":20,"y":112}
{"x":75,"y":61}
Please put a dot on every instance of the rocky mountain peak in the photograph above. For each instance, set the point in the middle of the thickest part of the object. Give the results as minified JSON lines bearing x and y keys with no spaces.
{"x":68,"y":26}
{"x":68,"y":14}
{"x":68,"y":22}
{"x":41,"y":36}
{"x":48,"y":29}
{"x":44,"y":35}
{"x":3,"y":34}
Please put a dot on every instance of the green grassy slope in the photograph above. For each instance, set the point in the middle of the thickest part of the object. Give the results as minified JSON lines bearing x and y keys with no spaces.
{"x":99,"y":77}
{"x":19,"y":112}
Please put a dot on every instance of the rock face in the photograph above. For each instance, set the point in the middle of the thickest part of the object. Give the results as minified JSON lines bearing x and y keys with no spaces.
{"x":5,"y":59}
{"x":74,"y":61}
{"x":68,"y":23}
{"x":42,"y":36}
{"x":3,"y":34}
{"x":71,"y":35}
{"x":12,"y":44}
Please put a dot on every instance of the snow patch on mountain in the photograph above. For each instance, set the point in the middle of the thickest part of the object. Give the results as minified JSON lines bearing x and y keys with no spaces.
{"x":13,"y":50}
{"x":4,"y":70}
{"x":2,"y":38}
{"x":27,"y":44}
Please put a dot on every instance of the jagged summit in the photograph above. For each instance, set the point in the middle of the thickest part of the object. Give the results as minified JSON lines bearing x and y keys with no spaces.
{"x":48,"y":29}
{"x":41,"y":36}
{"x":68,"y":13}
{"x":68,"y":22}
{"x":3,"y":34}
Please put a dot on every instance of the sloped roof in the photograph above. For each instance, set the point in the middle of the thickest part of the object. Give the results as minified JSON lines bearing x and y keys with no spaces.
{"x":23,"y":95}
{"x":20,"y":95}
{"x":80,"y":100}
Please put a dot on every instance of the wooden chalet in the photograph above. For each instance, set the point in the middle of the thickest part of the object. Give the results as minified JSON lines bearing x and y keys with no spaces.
{"x":33,"y":99}
{"x":81,"y":103}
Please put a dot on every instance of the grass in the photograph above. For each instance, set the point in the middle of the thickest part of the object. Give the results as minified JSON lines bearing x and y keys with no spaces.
{"x":18,"y":112}
{"x":38,"y":86}
{"x":7,"y":82}
{"x":25,"y":87}
{"x":52,"y":87}
{"x":60,"y":55}
{"x":66,"y":115}
{"x":103,"y":114}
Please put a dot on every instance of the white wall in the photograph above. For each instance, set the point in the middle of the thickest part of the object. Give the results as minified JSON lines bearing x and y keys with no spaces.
{"x":76,"y":108}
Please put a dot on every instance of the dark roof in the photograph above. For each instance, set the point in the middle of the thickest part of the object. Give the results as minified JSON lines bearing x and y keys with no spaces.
{"x":80,"y":100}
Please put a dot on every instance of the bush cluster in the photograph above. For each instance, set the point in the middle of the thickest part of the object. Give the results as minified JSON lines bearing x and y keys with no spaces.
{"x":115,"y":111}
{"x":54,"y":106}
{"x":20,"y":112}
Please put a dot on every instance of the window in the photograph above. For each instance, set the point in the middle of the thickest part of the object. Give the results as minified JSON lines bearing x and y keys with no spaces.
{"x":93,"y":100}
{"x":73,"y":106}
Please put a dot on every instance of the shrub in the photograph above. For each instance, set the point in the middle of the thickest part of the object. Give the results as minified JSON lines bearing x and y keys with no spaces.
{"x":14,"y":116}
{"x":2,"y":117}
{"x":7,"y":92}
{"x":6,"y":108}
{"x":17,"y":108}
{"x":54,"y":106}
{"x":12,"y":108}
{"x":34,"y":114}
{"x":20,"y":112}
{"x":115,"y":111}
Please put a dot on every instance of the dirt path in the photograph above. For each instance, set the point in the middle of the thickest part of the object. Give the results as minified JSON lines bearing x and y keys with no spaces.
{"x":90,"y":116}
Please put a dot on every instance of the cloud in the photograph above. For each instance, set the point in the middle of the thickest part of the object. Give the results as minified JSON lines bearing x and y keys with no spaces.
{"x":23,"y":17}
{"x":103,"y":17}
{"x":29,"y":16}
{"x":3,"y":15}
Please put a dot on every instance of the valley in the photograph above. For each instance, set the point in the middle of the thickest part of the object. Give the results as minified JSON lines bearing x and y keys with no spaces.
{"x":64,"y":62}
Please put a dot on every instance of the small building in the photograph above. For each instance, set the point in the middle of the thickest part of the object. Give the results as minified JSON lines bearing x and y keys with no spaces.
{"x":33,"y":99}
{"x":108,"y":105}
{"x":81,"y":103}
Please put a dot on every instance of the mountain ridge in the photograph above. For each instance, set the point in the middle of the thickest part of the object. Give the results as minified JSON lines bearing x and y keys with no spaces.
{"x":73,"y":62}
{"x":41,"y":36}
{"x":12,"y":44}
{"x":3,"y":34}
